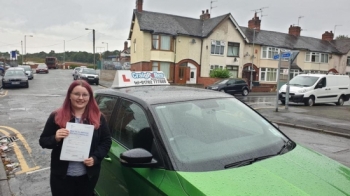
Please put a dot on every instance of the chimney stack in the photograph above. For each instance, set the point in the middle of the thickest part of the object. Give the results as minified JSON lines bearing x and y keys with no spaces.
{"x":328,"y":36}
{"x":254,"y":23}
{"x":205,"y":15}
{"x":139,"y":5}
{"x":294,"y":30}
{"x":125,"y":45}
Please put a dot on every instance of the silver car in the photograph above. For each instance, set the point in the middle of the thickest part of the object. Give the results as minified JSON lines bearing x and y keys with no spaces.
{"x":15,"y":77}
{"x":28,"y":71}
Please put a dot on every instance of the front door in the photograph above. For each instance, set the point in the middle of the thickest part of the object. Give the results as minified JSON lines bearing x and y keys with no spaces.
{"x":182,"y":73}
{"x":193,"y":74}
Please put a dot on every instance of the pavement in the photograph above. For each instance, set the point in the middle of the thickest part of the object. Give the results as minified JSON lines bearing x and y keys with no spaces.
{"x":325,"y":119}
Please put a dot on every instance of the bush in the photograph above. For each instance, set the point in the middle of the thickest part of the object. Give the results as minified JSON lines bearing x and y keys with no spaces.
{"x":220,"y":73}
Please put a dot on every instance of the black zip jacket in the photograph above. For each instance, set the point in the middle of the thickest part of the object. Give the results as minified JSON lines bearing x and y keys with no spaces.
{"x":100,"y":145}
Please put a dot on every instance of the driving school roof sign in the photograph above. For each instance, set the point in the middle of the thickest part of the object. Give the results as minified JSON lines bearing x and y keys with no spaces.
{"x":127,"y":78}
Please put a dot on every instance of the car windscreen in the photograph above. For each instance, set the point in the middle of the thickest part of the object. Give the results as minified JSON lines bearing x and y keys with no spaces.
{"x":27,"y":68}
{"x":207,"y":135}
{"x":304,"y":81}
{"x":14,"y":73}
{"x":42,"y":66}
{"x":89,"y":71}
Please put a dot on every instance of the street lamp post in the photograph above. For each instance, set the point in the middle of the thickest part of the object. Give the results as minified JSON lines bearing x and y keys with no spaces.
{"x":93,"y":42}
{"x":25,"y":47}
{"x":105,"y":43}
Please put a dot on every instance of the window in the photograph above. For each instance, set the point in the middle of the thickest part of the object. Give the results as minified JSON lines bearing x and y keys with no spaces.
{"x":348,"y":61}
{"x":130,"y":120}
{"x":268,"y":74}
{"x":165,"y":67}
{"x":134,"y":45}
{"x":316,"y":57}
{"x":233,"y":49}
{"x":216,"y":67}
{"x":217,"y":47}
{"x":161,"y":42}
{"x":106,"y":105}
{"x":284,"y":73}
{"x":233,"y":71}
{"x":269,"y":52}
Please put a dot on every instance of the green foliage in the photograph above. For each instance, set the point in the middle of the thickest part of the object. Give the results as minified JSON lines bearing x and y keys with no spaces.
{"x":342,"y":37}
{"x":81,"y":56}
{"x":220,"y":73}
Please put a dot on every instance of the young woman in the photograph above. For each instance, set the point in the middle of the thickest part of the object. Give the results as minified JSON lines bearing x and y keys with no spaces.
{"x":69,"y":177}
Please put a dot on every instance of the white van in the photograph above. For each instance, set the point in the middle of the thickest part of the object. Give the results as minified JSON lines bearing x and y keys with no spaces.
{"x":317,"y":88}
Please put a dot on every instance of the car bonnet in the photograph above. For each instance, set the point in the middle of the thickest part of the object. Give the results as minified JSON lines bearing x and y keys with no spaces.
{"x":299,"y":172}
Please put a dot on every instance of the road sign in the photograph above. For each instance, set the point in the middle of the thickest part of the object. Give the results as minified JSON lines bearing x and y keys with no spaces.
{"x":276,"y":57}
{"x":286,"y":55}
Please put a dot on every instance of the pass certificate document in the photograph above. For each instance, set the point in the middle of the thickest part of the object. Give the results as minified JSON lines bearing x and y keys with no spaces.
{"x":76,"y":146}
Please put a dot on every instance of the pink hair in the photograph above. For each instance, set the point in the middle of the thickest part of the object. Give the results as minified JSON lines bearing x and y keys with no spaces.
{"x":92,"y":113}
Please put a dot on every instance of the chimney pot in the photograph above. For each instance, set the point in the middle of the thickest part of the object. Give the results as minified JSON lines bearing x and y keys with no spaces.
{"x":254,"y":23}
{"x":139,"y":4}
{"x":328,"y":36}
{"x":294,"y":30}
{"x":205,"y":15}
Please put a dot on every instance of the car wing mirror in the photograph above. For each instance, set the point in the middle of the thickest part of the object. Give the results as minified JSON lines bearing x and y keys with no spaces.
{"x":138,"y":157}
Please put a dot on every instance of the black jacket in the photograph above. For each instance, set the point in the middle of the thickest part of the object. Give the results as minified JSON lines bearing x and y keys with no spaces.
{"x":100,"y":145}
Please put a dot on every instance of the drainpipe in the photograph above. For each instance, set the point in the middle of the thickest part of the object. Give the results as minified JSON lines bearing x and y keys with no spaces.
{"x":175,"y":40}
{"x":200,"y":58}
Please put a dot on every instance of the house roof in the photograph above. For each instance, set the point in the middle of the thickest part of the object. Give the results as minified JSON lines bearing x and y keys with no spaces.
{"x":178,"y":25}
{"x":284,"y":40}
{"x":343,"y":45}
{"x":161,"y":23}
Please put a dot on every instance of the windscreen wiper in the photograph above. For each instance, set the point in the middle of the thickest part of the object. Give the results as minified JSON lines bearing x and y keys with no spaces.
{"x":252,"y":160}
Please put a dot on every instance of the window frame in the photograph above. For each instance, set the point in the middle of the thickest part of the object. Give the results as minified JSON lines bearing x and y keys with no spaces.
{"x":218,"y":45}
{"x":316,"y":57}
{"x":266,"y":71}
{"x":233,"y":44}
{"x":159,"y":42}
{"x":158,"y":68}
{"x":348,"y":61}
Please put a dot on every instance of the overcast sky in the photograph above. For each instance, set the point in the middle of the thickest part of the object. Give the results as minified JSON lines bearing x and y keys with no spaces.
{"x":53,"y":21}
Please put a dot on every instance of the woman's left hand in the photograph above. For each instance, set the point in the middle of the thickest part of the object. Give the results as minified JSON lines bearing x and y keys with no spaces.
{"x":89,"y":162}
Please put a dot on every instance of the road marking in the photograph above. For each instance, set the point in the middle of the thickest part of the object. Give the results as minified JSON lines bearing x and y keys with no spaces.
{"x":18,"y":152}
{"x":3,"y":95}
{"x":39,"y":170}
{"x":20,"y":137}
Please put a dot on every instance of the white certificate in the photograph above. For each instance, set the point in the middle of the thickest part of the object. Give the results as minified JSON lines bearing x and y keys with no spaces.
{"x":76,"y":146}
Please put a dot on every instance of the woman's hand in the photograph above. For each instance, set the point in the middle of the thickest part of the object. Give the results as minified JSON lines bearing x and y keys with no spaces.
{"x":89,"y":162}
{"x":60,"y":134}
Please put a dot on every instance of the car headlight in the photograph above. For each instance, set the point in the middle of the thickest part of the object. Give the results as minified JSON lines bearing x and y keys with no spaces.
{"x":83,"y":75}
{"x":214,"y":88}
{"x":96,"y":77}
{"x":24,"y":79}
{"x":303,"y":90}
{"x":5,"y":80}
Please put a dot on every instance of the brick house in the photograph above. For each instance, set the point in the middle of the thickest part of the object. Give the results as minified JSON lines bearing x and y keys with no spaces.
{"x":187,"y":49}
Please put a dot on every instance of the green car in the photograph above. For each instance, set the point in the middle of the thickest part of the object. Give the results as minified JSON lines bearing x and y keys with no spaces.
{"x":173,"y":140}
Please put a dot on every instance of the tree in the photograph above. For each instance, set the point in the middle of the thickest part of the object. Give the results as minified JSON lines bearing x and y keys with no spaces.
{"x":342,"y":37}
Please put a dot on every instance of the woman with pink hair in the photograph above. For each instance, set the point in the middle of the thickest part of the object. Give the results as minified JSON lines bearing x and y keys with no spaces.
{"x":70,"y":177}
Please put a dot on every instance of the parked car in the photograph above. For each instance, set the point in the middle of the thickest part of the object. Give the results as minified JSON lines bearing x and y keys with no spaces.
{"x":42,"y":68}
{"x":176,"y":140}
{"x":75,"y":72}
{"x":231,"y":86}
{"x":126,"y":66}
{"x":28,"y":71}
{"x":88,"y":74}
{"x":15,"y":77}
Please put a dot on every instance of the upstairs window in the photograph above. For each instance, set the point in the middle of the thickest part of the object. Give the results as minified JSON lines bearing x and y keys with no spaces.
{"x":161,"y":42}
{"x":233,"y":49}
{"x":217,"y":47}
{"x":316,"y":57}
{"x":269,"y":52}
{"x":348,"y":61}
